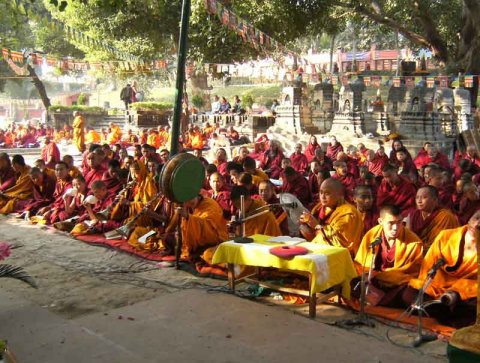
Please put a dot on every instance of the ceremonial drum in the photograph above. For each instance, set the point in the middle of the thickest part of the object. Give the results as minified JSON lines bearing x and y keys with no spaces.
{"x":182,"y":177}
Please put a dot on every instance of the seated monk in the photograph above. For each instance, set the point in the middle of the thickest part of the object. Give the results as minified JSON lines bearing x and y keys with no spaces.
{"x":21,"y":190}
{"x":271,"y":160}
{"x":43,"y":188}
{"x":397,"y":258}
{"x":455,"y":283}
{"x":265,"y":224}
{"x":40,"y":164}
{"x":221,"y":194}
{"x":406,"y":167}
{"x":202,"y":226}
{"x":438,"y":179}
{"x":115,"y":134}
{"x":89,"y":222}
{"x":429,"y":219}
{"x":95,"y":168}
{"x":299,"y":160}
{"x":266,"y":190}
{"x":72,"y":204}
{"x":396,"y":190}
{"x":7,"y":174}
{"x":242,"y":155}
{"x":246,"y":180}
{"x":469,"y":203}
{"x":73,"y":171}
{"x":296,"y":184}
{"x":364,"y":201}
{"x":221,"y":162}
{"x":62,"y":184}
{"x":334,"y":221}
{"x":347,"y":179}
{"x":258,"y":175}
{"x":92,"y":136}
{"x":234,"y":170}
{"x":110,"y":177}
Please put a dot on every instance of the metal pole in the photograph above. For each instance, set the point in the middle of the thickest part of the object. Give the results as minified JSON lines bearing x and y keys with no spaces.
{"x":181,"y":57}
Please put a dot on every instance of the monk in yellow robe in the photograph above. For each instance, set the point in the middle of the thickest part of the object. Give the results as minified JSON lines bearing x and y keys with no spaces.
{"x":202,"y":225}
{"x":92,"y":137}
{"x":115,"y":134}
{"x":78,"y":134}
{"x":429,"y":219}
{"x":22,"y":190}
{"x":265,"y":224}
{"x":455,"y":282}
{"x":258,"y":175}
{"x":73,"y":171}
{"x":397,"y":254}
{"x":333,"y":221}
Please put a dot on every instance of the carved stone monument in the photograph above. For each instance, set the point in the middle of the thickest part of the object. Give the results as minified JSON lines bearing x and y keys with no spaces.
{"x":294,"y":113}
{"x":323,"y":106}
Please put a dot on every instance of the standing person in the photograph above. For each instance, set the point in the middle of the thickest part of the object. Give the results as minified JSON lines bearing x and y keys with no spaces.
{"x":126,"y":95}
{"x":78,"y":132}
{"x":50,"y":153}
{"x":134,"y":92}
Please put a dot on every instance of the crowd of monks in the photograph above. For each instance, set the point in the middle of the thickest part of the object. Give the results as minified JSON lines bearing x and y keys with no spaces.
{"x":405,"y":211}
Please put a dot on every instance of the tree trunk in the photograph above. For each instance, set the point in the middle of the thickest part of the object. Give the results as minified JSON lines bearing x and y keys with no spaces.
{"x":332,"y":49}
{"x":39,"y":86}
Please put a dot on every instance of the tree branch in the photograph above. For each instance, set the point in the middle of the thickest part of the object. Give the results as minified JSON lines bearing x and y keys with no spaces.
{"x":432,"y":40}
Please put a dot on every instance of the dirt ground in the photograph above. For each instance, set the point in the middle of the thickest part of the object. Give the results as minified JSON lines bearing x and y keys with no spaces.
{"x":77,"y":280}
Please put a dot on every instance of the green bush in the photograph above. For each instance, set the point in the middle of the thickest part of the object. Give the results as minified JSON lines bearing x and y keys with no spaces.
{"x":82,"y":99}
{"x":247,"y":100}
{"x":81,"y":108}
{"x":198,"y":101}
{"x":152,"y":106}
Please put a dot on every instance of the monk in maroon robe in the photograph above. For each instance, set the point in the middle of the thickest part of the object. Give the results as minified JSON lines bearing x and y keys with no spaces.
{"x":324,"y":161}
{"x":95,"y":171}
{"x":334,"y":148}
{"x":296,"y":184}
{"x":405,"y":164}
{"x":63,"y":183}
{"x":271,"y":162}
{"x":444,"y":186}
{"x":396,"y":190}
{"x":110,"y":177}
{"x":43,"y":188}
{"x":50,"y":153}
{"x":365,"y":202}
{"x":471,"y":155}
{"x":398,"y":145}
{"x":376,"y":161}
{"x":311,"y":147}
{"x":221,"y":162}
{"x":220,"y":192}
{"x":7,"y":174}
{"x":469,"y":203}
{"x":72,"y":204}
{"x":352,"y":163}
{"x":299,"y":160}
{"x":433,"y":156}
{"x":347,"y":179}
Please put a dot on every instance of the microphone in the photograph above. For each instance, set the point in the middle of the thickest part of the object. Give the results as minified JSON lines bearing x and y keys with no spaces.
{"x":376,"y":242}
{"x":435,"y":267}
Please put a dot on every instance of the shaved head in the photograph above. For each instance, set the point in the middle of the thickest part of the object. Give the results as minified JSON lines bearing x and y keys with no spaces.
{"x":331,"y":193}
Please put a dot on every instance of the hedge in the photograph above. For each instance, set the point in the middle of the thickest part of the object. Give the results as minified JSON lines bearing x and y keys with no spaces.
{"x":81,"y":108}
{"x":151,"y":106}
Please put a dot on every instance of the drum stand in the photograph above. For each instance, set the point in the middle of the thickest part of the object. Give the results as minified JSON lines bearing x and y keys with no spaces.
{"x":178,"y":241}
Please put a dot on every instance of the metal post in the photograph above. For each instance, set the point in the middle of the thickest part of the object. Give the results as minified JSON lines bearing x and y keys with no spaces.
{"x":181,"y":58}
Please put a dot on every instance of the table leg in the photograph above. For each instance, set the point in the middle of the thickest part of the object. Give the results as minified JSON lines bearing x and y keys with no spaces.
{"x":231,"y":276}
{"x":312,"y":300}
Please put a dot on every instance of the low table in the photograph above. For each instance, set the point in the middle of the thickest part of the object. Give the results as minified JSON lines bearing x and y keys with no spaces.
{"x":327,"y":266}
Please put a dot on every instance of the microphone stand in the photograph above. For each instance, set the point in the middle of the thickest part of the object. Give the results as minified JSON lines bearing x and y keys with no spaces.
{"x":420,"y":306}
{"x":362,"y":318}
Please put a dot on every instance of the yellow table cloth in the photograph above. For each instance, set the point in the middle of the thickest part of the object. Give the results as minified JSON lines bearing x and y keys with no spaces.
{"x":329,"y":266}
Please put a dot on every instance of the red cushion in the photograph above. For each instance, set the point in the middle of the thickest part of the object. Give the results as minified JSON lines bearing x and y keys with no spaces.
{"x":288,"y":251}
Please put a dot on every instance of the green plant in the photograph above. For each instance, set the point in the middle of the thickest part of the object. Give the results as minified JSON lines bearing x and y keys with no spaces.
{"x":81,"y":108}
{"x":198,"y":101}
{"x":247,"y":100}
{"x":82,"y":99}
{"x":152,"y":106}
